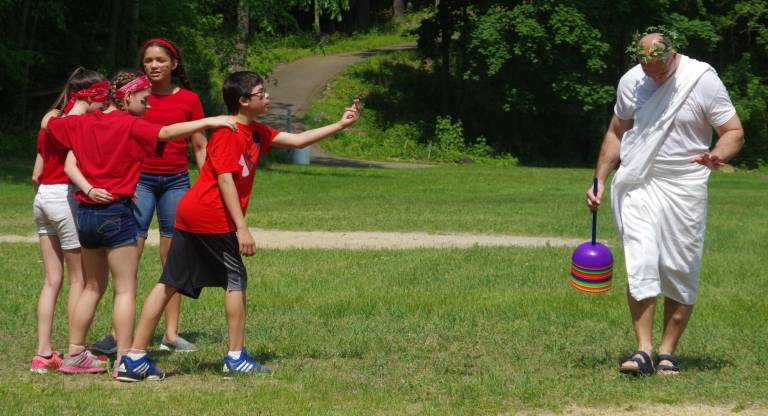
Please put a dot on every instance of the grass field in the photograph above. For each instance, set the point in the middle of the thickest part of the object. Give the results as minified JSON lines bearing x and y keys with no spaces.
{"x":429,"y":331}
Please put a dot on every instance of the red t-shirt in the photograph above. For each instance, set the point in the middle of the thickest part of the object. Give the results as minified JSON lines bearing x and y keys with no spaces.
{"x":53,"y":159}
{"x":171,"y":157}
{"x":202,"y":210}
{"x":109,"y":148}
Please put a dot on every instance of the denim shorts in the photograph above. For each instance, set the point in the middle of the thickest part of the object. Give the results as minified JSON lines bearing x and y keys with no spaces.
{"x":161,"y":192}
{"x":106,"y":226}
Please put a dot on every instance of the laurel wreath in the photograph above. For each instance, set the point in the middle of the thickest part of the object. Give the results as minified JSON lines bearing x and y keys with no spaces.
{"x":670,"y":43}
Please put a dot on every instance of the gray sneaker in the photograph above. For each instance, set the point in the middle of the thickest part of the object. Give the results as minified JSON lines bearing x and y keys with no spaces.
{"x":106,"y":345}
{"x":178,"y":345}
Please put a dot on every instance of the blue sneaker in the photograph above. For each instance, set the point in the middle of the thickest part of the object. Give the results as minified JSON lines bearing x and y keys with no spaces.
{"x":246,"y":364}
{"x":106,"y":345}
{"x":139,"y":369}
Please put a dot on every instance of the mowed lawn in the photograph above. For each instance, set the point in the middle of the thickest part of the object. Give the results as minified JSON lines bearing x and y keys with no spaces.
{"x":429,"y":331}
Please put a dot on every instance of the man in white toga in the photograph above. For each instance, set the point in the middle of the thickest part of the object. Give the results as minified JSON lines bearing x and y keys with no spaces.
{"x":660,"y":136}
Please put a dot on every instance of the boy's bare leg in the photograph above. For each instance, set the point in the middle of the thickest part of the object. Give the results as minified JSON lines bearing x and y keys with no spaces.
{"x":124,"y":263}
{"x":173,"y":308}
{"x":642,"y":322}
{"x":234,"y":304}
{"x":150,"y":315}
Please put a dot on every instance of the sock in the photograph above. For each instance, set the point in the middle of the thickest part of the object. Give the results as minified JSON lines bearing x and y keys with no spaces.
{"x":136,"y":355}
{"x":235,"y":355}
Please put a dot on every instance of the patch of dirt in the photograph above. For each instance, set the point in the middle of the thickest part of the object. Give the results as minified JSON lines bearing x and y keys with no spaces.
{"x":277,"y":239}
{"x":690,"y":409}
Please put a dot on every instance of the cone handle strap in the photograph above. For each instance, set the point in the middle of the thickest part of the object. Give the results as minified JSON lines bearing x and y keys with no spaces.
{"x":594,"y":213}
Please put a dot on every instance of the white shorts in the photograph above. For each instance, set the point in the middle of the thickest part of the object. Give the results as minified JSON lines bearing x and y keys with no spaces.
{"x":54,"y":208}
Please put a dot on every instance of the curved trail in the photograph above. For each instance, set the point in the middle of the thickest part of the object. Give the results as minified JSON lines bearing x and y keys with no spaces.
{"x":293,"y":86}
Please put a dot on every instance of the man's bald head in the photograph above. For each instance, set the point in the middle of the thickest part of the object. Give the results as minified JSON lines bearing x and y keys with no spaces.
{"x":658,"y":59}
{"x":648,"y":41}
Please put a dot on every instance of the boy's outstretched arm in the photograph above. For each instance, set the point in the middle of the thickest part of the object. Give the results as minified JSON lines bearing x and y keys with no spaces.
{"x":232,"y":202}
{"x":304,"y":139}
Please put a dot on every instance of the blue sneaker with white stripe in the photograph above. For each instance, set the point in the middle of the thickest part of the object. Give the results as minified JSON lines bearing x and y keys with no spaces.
{"x":139,"y":369}
{"x":246,"y":364}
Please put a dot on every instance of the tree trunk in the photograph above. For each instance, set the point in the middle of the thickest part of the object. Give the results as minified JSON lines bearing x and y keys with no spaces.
{"x":398,"y":9}
{"x":316,"y":24}
{"x":362,"y":14}
{"x":114,"y":25}
{"x":24,"y":98}
{"x":133,"y":34}
{"x":241,"y":46}
{"x":446,"y":30}
{"x":24,"y":18}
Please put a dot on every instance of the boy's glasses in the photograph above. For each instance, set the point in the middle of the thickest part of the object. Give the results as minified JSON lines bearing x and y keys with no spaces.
{"x":260,"y":95}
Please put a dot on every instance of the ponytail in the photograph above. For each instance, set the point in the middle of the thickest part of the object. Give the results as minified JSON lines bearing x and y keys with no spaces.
{"x":79,"y":79}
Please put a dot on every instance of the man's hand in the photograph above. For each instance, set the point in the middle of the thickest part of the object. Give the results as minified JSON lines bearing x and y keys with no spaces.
{"x":593,"y":201}
{"x":712,"y":161}
{"x":246,"y":241}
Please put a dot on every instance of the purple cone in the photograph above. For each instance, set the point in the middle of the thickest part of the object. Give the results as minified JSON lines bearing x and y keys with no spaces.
{"x":595,"y":256}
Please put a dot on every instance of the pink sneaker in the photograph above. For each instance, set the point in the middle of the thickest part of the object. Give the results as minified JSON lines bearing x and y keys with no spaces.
{"x":41,"y":365}
{"x":84,"y":362}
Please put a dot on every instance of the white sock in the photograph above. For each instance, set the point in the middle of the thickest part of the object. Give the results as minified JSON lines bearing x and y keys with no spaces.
{"x":235,"y":355}
{"x":136,"y":355}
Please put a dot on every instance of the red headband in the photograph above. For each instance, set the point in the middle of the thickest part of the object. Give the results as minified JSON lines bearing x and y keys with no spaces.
{"x":137,"y":84}
{"x":165,"y":43}
{"x":98,"y":92}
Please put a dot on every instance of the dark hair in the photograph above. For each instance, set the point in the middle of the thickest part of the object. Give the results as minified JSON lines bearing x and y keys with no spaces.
{"x":175,"y":56}
{"x":237,"y":85}
{"x":79,"y":79}
{"x":121,"y":78}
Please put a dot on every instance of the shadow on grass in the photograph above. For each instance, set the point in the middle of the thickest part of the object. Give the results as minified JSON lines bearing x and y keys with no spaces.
{"x":687,"y":363}
{"x":214,"y":365}
{"x":703,"y":363}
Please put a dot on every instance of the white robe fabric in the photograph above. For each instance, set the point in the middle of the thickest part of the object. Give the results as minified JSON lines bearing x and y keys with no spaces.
{"x":660,"y":206}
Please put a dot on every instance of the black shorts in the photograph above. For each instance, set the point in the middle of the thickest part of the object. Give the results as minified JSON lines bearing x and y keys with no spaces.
{"x":196,"y":261}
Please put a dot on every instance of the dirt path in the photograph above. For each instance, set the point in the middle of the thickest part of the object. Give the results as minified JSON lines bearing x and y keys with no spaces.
{"x":295,"y":84}
{"x":648,"y":409}
{"x":370,"y":240}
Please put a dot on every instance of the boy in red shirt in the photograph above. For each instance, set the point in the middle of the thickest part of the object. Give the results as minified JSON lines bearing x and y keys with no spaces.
{"x":211,"y":232}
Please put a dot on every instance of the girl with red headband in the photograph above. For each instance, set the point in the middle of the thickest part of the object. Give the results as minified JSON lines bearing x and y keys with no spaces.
{"x":54,"y":209}
{"x":105,"y":160}
{"x":164,"y":175}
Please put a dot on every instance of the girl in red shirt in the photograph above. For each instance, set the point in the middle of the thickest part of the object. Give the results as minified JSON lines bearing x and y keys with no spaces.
{"x":107,"y":149}
{"x":164,"y":176}
{"x":54,"y":209}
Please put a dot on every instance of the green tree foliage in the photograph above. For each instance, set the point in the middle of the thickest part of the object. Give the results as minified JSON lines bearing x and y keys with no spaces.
{"x":537,"y":78}
{"x":52,"y":37}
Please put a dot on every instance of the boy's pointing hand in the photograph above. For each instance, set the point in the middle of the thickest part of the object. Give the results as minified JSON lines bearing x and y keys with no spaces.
{"x":351,"y":114}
